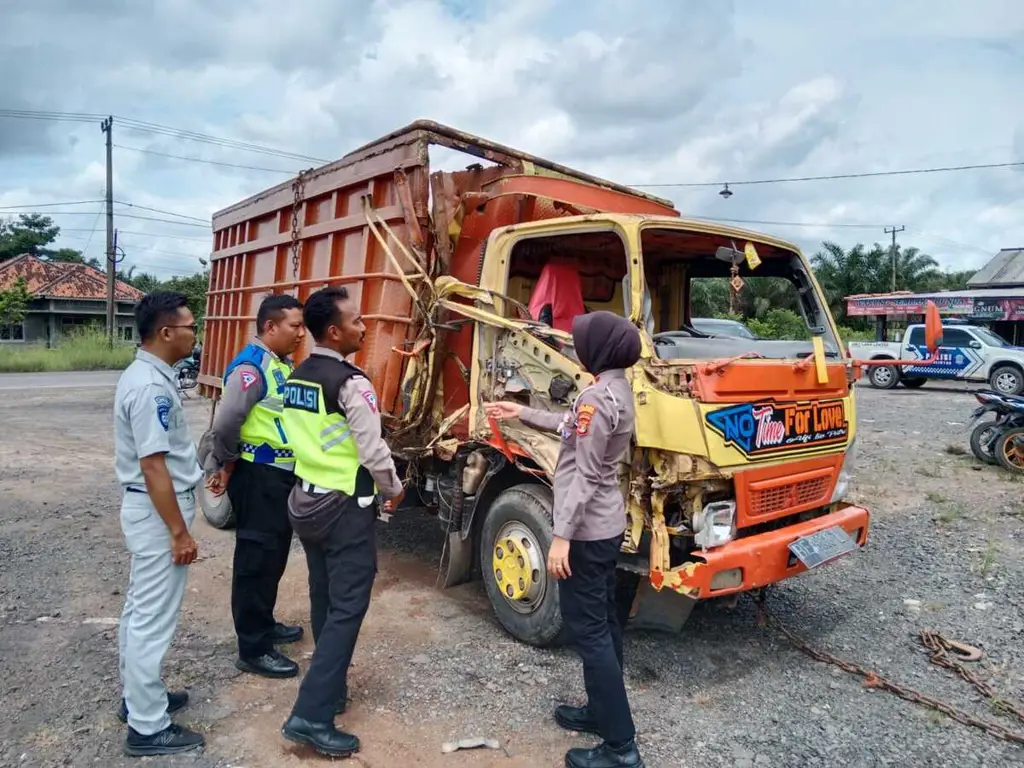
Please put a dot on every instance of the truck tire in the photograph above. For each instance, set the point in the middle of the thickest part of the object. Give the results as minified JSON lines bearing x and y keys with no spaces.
{"x":884,"y":377}
{"x":983,"y":442}
{"x":1007,"y":452}
{"x":914,"y":383}
{"x":1007,"y":380}
{"x":517,"y":531}
{"x":216,"y":509}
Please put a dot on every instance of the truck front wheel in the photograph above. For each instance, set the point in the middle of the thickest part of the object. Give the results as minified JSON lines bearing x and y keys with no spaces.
{"x":884,"y":377}
{"x":514,"y":543}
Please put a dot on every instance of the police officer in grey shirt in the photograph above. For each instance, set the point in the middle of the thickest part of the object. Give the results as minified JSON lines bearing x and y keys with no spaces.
{"x":156,"y":465}
{"x":332,"y":418}
{"x":589,"y":524}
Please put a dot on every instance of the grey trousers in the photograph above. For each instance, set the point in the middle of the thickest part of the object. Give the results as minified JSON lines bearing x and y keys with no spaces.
{"x":151,"y":608}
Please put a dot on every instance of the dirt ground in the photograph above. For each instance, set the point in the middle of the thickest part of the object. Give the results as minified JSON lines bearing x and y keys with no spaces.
{"x":946,"y":550}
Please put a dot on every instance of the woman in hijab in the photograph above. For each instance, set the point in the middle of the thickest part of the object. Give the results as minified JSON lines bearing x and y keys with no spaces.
{"x":589,"y":524}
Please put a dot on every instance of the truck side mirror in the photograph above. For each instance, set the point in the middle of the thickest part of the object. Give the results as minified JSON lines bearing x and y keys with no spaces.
{"x":932,"y":327}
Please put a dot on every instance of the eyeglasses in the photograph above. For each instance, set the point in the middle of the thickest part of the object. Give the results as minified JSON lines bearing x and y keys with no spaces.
{"x":193,"y":326}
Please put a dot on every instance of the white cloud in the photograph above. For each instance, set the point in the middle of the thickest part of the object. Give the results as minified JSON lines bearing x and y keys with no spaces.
{"x":666,"y":91}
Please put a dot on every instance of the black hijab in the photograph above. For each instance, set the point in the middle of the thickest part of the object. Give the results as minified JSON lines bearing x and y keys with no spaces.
{"x":605,"y":341}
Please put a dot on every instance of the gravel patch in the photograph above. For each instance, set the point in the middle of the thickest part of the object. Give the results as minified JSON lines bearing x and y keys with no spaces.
{"x":945,"y":550}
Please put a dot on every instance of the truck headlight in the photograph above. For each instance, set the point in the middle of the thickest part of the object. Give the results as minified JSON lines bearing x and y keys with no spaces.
{"x":715,"y":525}
{"x":845,"y":472}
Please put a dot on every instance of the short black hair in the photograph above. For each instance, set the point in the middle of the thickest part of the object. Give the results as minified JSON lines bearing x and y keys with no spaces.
{"x":273,"y":308}
{"x":154,"y":310}
{"x":321,"y":309}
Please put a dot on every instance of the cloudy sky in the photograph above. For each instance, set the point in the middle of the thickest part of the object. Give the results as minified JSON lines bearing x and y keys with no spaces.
{"x":641,"y":91}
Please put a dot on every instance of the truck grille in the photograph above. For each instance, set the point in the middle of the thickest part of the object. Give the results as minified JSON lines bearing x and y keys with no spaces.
{"x":778,"y":498}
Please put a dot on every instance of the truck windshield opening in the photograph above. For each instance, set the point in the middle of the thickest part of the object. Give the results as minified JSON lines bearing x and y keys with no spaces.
{"x":698,"y":306}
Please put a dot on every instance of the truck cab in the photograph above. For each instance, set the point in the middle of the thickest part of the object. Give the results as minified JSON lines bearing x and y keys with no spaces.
{"x":967,"y":353}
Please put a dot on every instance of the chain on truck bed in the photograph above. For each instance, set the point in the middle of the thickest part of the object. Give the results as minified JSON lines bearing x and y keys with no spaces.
{"x":940,"y":649}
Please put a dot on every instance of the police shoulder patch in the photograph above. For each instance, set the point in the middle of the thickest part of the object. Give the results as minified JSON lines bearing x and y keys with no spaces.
{"x":248,"y":379}
{"x":371,"y":399}
{"x":163,"y":411}
{"x":584,"y":415}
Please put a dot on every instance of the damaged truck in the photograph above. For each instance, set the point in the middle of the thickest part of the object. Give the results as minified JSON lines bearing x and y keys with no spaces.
{"x":468,"y":281}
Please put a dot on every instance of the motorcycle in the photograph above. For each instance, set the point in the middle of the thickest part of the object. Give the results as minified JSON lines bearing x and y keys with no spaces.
{"x":186,"y":372}
{"x":987,"y":437}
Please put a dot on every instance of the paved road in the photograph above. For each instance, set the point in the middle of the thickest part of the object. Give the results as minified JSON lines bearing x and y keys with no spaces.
{"x":68,"y":380}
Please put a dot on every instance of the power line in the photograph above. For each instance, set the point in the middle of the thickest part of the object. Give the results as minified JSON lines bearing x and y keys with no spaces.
{"x":48,"y":205}
{"x":179,"y":133}
{"x":821,"y":225}
{"x":143,"y":234}
{"x":122,"y":215}
{"x":204,"y":222}
{"x":208,"y":162}
{"x":833,"y":176}
{"x":156,"y":128}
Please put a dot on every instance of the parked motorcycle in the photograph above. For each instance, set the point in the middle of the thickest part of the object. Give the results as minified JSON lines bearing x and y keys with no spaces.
{"x":187,"y":373}
{"x":987,"y":437}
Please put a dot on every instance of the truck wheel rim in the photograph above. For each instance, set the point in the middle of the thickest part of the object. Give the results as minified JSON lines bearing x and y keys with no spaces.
{"x":1006,"y":382}
{"x":883,"y":375}
{"x":518,"y":567}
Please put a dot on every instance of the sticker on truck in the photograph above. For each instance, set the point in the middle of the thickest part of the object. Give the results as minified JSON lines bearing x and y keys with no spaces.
{"x":765,"y":428}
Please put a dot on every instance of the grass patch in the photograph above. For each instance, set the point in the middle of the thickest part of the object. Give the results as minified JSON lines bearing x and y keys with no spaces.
{"x":80,"y":350}
{"x":948,"y":515}
{"x":956,"y":450}
{"x":934,"y":497}
{"x":927,"y":472}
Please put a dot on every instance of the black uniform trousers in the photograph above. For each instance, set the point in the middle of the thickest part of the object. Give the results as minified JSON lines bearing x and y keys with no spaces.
{"x":342,"y":561}
{"x":263,"y":536}
{"x":589,"y":610}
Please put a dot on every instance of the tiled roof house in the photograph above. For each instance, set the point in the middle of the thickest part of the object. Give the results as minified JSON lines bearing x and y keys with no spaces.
{"x":64,"y":295}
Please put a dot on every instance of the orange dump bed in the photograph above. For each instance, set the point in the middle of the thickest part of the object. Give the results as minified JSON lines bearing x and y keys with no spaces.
{"x":316,"y":231}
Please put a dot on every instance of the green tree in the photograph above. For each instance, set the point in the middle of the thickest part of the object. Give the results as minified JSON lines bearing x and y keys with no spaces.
{"x":145,"y":282}
{"x":194,"y":287}
{"x":68,"y":255}
{"x":14,"y":303}
{"x":30,"y":233}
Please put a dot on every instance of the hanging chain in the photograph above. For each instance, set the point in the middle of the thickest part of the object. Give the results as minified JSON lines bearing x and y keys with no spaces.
{"x":298,"y":188}
{"x":939,"y":647}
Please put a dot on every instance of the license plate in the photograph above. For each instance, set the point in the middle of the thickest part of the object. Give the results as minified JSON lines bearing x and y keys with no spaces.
{"x":823,"y":547}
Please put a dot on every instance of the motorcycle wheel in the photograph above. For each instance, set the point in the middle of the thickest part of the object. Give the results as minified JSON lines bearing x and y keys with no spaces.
{"x":1010,"y":455}
{"x":983,"y":440}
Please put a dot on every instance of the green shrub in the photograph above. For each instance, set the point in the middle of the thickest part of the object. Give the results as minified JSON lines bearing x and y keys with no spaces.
{"x":80,"y":350}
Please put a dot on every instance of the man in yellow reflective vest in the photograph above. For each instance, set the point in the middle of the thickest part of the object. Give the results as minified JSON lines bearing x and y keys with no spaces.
{"x":251,"y":458}
{"x":332,"y":418}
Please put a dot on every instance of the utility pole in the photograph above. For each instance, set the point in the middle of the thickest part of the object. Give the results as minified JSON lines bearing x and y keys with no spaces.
{"x":107,"y":126}
{"x":894,"y":230}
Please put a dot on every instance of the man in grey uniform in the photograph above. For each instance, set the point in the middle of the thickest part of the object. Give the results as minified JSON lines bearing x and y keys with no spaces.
{"x":333,"y":422}
{"x":156,"y":465}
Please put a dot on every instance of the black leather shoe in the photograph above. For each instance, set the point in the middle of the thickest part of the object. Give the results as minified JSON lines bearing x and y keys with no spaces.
{"x":323,"y":737}
{"x":605,"y":756}
{"x":576,"y":719}
{"x":273,"y":664}
{"x":176,"y":701}
{"x":285,"y":633}
{"x":171,"y":741}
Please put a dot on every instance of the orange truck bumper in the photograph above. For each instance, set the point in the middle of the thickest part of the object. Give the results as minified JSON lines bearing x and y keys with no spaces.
{"x":765,"y":558}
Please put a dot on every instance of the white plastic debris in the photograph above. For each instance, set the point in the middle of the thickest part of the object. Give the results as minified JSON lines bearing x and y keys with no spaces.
{"x":454,"y":746}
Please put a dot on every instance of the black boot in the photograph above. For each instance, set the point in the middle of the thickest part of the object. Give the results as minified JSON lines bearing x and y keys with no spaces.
{"x":323,"y":737}
{"x":170,"y":741}
{"x":576,"y":719}
{"x":176,"y":701}
{"x":273,"y":664}
{"x":285,"y":633}
{"x":605,"y":756}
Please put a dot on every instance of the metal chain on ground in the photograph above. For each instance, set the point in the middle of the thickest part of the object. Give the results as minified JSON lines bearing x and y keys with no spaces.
{"x":298,"y":188}
{"x":872,"y":680}
{"x":940,"y":648}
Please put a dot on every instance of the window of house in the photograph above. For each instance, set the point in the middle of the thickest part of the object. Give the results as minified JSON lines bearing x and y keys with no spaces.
{"x":127,"y":333}
{"x":12,"y":332}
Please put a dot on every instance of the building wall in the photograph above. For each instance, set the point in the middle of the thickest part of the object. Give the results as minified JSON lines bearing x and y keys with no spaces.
{"x":47,"y":320}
